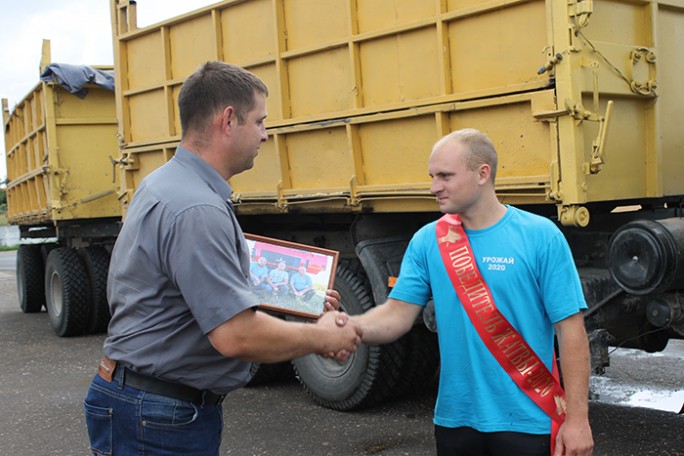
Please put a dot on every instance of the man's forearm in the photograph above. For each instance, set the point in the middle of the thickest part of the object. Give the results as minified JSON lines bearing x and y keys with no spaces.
{"x":258,"y":337}
{"x":387,"y":322}
{"x":575,"y":366}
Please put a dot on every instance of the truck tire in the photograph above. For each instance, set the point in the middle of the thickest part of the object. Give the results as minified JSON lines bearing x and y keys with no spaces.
{"x":66,"y":292}
{"x":368,"y":376}
{"x":30,"y":278}
{"x":96,"y":262}
{"x":420,"y":371}
{"x":45,"y":250}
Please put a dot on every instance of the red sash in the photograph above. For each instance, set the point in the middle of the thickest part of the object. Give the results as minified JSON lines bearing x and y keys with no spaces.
{"x":504,"y":342}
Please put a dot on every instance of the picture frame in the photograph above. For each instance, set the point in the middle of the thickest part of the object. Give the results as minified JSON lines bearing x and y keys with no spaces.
{"x":309,"y":270}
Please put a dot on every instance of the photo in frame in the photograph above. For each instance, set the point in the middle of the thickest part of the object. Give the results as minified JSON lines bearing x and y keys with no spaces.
{"x":290,"y":278}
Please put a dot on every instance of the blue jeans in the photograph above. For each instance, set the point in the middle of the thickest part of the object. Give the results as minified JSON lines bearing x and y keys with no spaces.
{"x":122,"y":420}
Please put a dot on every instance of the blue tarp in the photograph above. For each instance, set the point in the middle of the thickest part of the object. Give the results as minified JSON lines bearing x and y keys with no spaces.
{"x":75,"y":77}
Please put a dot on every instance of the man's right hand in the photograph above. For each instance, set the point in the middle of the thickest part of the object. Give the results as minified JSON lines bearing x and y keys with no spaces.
{"x":343,"y":335}
{"x":256,"y":336}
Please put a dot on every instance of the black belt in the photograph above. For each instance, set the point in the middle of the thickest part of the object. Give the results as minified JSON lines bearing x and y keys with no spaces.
{"x":164,"y":388}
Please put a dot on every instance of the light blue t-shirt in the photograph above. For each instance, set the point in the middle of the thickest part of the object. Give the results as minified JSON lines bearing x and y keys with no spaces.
{"x":527,"y":264}
{"x":300,"y":282}
{"x":260,"y":271}
{"x":278,"y":277}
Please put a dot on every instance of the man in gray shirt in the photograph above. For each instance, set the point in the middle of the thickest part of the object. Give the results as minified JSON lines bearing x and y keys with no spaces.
{"x":184,"y":328}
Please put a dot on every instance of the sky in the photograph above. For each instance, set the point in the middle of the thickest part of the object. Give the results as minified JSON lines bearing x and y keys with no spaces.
{"x":79,"y":32}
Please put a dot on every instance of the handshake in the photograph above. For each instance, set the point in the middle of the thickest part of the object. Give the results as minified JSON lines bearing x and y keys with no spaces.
{"x":342,"y":334}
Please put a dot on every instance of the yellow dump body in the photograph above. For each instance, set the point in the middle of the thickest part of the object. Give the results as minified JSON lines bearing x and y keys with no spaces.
{"x":58,"y":156}
{"x":360,"y":91}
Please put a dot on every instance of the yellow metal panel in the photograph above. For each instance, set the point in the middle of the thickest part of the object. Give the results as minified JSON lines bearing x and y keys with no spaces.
{"x":175,"y":125}
{"x":58,"y":155}
{"x":25,"y":131}
{"x":626,"y":154}
{"x":616,"y":21}
{"x":312,"y":22}
{"x":670,"y":110}
{"x":456,"y":5}
{"x":248,"y":31}
{"x":353,"y":84}
{"x":502,"y":48}
{"x":97,"y":104}
{"x":145,"y":64}
{"x":87,"y":172}
{"x":381,"y":14}
{"x":395,"y":151}
{"x":319,"y":84}
{"x":642,"y":143}
{"x":330,"y":59}
{"x":310,"y":155}
{"x":400,"y":68}
{"x":186,"y":55}
{"x":148,"y":117}
{"x":523,"y":145}
{"x":269,"y":75}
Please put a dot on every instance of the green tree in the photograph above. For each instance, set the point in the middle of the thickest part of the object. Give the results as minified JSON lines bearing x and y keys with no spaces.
{"x":3,"y":207}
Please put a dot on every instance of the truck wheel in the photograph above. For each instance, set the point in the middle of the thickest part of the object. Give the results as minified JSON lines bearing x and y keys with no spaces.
{"x":368,"y":376}
{"x":66,"y":292}
{"x":45,"y":250}
{"x":96,"y":262}
{"x":30,"y":278}
{"x":420,"y":372}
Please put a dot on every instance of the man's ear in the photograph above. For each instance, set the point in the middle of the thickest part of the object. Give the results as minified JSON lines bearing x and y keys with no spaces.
{"x":485,"y":172}
{"x":228,"y":118}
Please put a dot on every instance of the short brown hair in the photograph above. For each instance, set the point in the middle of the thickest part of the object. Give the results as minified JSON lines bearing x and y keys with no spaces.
{"x":211,"y":88}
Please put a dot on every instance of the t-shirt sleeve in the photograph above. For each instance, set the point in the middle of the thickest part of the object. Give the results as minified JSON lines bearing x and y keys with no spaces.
{"x":560,"y":284}
{"x":412,"y":284}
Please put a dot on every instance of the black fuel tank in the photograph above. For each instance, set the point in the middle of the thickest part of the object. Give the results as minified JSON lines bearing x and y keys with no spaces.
{"x":647,"y":256}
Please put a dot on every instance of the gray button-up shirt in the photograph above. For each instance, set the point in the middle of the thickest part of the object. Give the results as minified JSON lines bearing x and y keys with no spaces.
{"x":180,"y":268}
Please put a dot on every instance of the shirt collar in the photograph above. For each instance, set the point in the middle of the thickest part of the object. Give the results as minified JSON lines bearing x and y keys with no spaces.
{"x":205,"y":171}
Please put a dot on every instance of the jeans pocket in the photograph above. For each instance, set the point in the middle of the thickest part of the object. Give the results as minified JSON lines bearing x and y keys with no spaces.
{"x":99,"y":424}
{"x":161,"y":411}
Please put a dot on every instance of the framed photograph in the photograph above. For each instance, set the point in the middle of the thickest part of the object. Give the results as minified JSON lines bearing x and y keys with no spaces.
{"x":290,"y":278}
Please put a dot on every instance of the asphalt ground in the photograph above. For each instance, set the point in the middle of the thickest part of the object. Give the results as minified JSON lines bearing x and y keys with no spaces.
{"x":44,"y":379}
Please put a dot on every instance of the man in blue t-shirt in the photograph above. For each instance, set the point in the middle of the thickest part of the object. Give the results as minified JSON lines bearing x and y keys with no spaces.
{"x":278,"y":278}
{"x":301,"y":284}
{"x":527,"y":264}
{"x":258,"y":272}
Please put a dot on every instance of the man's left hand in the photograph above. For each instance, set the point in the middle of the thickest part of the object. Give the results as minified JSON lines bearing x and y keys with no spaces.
{"x":332,"y":300}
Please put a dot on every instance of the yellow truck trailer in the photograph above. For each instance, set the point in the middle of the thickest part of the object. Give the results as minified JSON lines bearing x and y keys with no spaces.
{"x":583,"y":100}
{"x":61,"y":192}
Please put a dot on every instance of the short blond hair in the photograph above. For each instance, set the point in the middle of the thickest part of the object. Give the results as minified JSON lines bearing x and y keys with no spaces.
{"x":479,"y":148}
